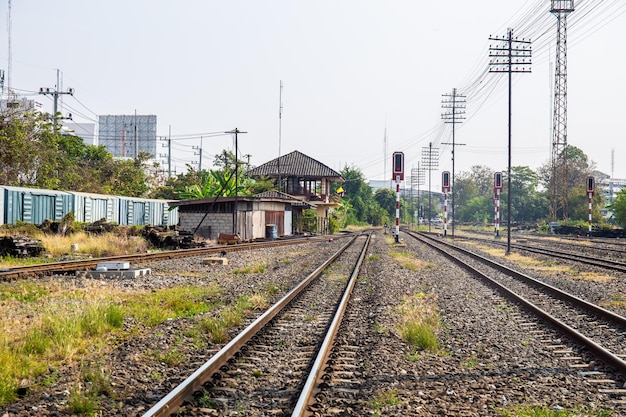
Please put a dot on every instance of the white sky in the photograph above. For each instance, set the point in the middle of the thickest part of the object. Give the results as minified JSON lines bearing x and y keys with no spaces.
{"x":350,"y":69}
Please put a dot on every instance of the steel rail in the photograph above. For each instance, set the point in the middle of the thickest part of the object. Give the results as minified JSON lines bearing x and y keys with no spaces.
{"x":593,"y":308}
{"x":172,"y":401}
{"x":610,"y":359}
{"x":322,"y":356}
{"x":574,"y":256}
{"x":82,"y":264}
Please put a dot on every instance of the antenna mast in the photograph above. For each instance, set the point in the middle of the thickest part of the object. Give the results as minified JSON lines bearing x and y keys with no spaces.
{"x":9,"y":64}
{"x":280,"y":129}
{"x":385,"y":149}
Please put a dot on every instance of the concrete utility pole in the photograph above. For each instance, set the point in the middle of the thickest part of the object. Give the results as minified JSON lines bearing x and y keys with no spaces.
{"x":560,"y":8}
{"x":511,"y":55}
{"x":55,"y":94}
{"x":453,"y":106}
{"x":430,"y":162}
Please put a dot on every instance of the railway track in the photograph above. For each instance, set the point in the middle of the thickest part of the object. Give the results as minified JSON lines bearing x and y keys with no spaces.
{"x":592,"y":328}
{"x":16,"y":272}
{"x":297,"y":333}
{"x":594,"y":251}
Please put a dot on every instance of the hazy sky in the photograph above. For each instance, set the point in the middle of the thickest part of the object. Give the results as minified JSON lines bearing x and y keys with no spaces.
{"x":351,"y":69}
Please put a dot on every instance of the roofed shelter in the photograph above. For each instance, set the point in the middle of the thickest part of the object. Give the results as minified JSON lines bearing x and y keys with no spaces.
{"x":209,"y":217}
{"x":304,"y":178}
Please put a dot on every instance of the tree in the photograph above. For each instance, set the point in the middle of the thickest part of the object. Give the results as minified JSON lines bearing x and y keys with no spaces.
{"x":572,"y":169}
{"x":365,"y":209}
{"x":618,"y":207}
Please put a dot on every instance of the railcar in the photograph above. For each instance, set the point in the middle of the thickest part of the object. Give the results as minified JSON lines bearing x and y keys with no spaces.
{"x":32,"y":205}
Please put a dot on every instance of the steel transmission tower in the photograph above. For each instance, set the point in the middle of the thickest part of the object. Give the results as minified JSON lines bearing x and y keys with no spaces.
{"x":560,"y":8}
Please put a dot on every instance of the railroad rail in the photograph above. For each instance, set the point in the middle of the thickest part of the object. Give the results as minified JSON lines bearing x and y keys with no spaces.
{"x":218,"y":363}
{"x":610,"y":359}
{"x":85,"y":264}
{"x":594,"y":260}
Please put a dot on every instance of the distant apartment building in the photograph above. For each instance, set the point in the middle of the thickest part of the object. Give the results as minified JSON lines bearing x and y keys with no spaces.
{"x":127,"y":135}
{"x":20,"y":104}
{"x":86,"y":131}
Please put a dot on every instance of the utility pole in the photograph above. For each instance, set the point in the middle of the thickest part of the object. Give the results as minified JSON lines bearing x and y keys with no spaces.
{"x":453,"y":106}
{"x":430,"y":162}
{"x":136,"y":136}
{"x":560,"y":8}
{"x":417,"y":179}
{"x":236,"y":132}
{"x":508,"y":53}
{"x":55,"y":94}
{"x":169,"y":153}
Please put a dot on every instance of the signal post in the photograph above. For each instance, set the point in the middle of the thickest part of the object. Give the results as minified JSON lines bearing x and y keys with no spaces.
{"x":497,"y":190}
{"x":445,"y":188}
{"x":591,"y":183}
{"x":397,"y":175}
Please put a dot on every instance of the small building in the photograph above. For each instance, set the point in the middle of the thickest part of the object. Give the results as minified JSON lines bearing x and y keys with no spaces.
{"x":305,"y":179}
{"x":251,"y":217}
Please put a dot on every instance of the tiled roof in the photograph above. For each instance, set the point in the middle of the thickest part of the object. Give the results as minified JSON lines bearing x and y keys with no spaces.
{"x":277,"y":195}
{"x":295,"y":164}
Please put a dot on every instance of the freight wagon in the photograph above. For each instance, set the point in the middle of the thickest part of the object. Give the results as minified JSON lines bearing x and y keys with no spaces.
{"x":31,"y":205}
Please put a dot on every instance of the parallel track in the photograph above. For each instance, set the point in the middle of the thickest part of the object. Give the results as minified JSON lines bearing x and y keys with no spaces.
{"x":218,"y":364}
{"x":11,"y":273}
{"x":577,"y":307}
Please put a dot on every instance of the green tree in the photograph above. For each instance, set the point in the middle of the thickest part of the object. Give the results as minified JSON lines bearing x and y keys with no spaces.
{"x":364,"y":208}
{"x":618,"y":207}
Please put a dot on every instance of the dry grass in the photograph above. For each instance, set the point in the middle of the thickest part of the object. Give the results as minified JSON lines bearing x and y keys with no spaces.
{"x":408,"y":261}
{"x":547,"y":267}
{"x":46,"y":323}
{"x":419,"y":321}
{"x":97,"y":246}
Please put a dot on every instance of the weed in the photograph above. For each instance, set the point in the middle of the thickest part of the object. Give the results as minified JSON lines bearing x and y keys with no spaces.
{"x":380,"y":329}
{"x":385,"y":398}
{"x":171,"y":357}
{"x":205,"y":401}
{"x":82,"y":402}
{"x":420,"y":321}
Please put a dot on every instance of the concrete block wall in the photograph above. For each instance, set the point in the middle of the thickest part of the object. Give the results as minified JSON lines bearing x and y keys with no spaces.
{"x":215,"y":222}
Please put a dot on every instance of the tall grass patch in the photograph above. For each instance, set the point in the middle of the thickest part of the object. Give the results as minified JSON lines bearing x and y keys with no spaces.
{"x":50,"y":323}
{"x":419,"y":321}
{"x":108,"y":244}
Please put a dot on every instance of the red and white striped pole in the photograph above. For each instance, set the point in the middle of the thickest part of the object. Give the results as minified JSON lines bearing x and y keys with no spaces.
{"x":398,"y":175}
{"x":445,"y":214}
{"x":497,"y":189}
{"x":397,"y":208}
{"x":591,"y":183}
{"x":497,"y":213}
{"x":445,"y":188}
{"x":590,"y":207}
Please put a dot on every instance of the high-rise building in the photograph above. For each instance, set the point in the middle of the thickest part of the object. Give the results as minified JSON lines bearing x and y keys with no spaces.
{"x":127,"y":135}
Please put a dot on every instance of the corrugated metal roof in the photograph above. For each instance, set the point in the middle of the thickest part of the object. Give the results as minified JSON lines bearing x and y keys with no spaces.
{"x":296,"y":164}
